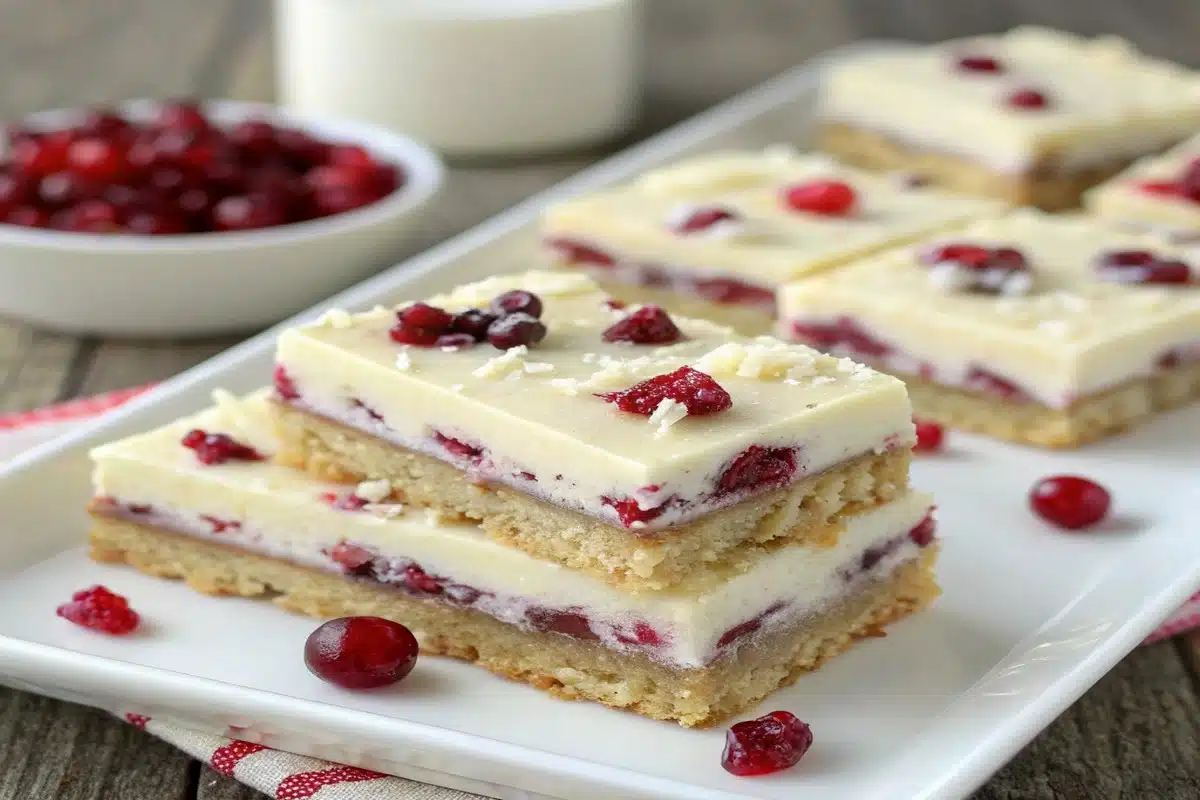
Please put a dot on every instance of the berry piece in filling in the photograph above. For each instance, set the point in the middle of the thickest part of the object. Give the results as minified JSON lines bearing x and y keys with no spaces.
{"x":695,"y":390}
{"x":284,"y":384}
{"x":517,"y":301}
{"x":978,"y":63}
{"x":630,"y":512}
{"x":515,"y":330}
{"x":217,"y":448}
{"x":768,"y":744}
{"x":573,"y":252}
{"x":758,"y":467}
{"x":1069,"y":501}
{"x":647,"y":325}
{"x":420,"y":324}
{"x":930,"y":436}
{"x":361,"y":652}
{"x":1141,"y":266}
{"x":971,"y":268}
{"x":828,"y":198}
{"x":101,"y":610}
{"x":695,"y":220}
{"x":1027,"y":100}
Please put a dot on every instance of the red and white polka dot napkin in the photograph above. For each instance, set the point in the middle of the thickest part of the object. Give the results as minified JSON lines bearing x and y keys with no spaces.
{"x":286,"y":776}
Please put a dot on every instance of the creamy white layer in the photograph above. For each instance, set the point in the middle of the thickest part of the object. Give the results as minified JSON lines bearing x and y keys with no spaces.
{"x":1104,"y":101}
{"x":283,"y":513}
{"x":1072,"y":335}
{"x":532,"y":419}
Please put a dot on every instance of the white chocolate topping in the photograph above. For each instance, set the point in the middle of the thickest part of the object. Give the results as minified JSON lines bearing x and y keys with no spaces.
{"x":1106,"y":102}
{"x":1071,"y":335}
{"x":768,"y":243}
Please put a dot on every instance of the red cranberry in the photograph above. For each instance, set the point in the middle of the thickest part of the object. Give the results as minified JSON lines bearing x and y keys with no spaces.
{"x":418,"y":580}
{"x":828,"y":198}
{"x":182,"y":115}
{"x":303,"y":150}
{"x":704,"y":218}
{"x":647,"y":325}
{"x":1141,"y":266}
{"x":1027,"y":99}
{"x":515,"y":330}
{"x":733,"y":292}
{"x":842,"y":332}
{"x":91,"y":216}
{"x":105,"y":123}
{"x":42,"y":155}
{"x":154,"y":223}
{"x":979,"y":63}
{"x":1069,"y":501}
{"x":474,"y":322}
{"x":101,"y":610}
{"x":350,"y":155}
{"x":922,"y":535}
{"x":254,"y":137}
{"x":758,"y":467}
{"x":517,"y":301}
{"x":15,"y":191}
{"x":218,"y":448}
{"x":768,"y":744}
{"x":698,"y":392}
{"x":929,"y":436}
{"x":242,"y":213}
{"x":630,"y":512}
{"x":967,"y":255}
{"x":981,"y":380}
{"x":63,"y":189}
{"x":28,"y":217}
{"x":1160,"y":187}
{"x":351,"y":556}
{"x":455,"y":341}
{"x":568,"y":623}
{"x":361,"y":652}
{"x":574,"y":252}
{"x":459,"y":448}
{"x":331,"y":201}
{"x":420,"y":324}
{"x":981,"y":269}
{"x":97,"y":159}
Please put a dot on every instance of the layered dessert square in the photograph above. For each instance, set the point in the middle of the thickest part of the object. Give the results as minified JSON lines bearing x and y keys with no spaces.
{"x":202,"y":499}
{"x":1051,"y":330}
{"x":1033,"y":116}
{"x":714,"y":236}
{"x":1158,"y":193}
{"x":612,"y":440}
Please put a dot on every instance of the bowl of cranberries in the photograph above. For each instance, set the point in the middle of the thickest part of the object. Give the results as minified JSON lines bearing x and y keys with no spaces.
{"x":180,"y":218}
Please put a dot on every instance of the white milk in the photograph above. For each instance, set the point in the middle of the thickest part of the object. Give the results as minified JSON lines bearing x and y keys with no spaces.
{"x":470,"y":77}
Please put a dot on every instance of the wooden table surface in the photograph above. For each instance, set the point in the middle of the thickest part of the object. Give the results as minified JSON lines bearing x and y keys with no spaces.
{"x":1136,"y":734}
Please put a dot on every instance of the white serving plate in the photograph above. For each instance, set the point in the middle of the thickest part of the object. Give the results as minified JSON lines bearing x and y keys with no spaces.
{"x":1030,"y":618}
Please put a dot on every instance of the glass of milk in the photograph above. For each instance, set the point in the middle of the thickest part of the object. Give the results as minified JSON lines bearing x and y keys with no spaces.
{"x":469,"y":77}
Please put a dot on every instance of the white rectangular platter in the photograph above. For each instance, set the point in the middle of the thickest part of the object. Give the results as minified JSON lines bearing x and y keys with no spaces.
{"x":1030,"y":618}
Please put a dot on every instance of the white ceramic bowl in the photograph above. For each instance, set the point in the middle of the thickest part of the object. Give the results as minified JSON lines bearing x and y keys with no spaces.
{"x":208,"y":283}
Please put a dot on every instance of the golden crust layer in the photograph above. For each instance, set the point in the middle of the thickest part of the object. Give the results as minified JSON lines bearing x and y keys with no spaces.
{"x":807,"y":513}
{"x":565,"y":667}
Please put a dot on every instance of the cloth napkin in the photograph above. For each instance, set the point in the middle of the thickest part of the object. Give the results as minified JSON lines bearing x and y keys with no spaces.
{"x":286,"y":776}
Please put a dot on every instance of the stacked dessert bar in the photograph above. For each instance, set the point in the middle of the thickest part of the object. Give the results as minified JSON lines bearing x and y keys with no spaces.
{"x":1032,"y":116}
{"x":605,"y":502}
{"x":1158,"y":193}
{"x":716,"y":235}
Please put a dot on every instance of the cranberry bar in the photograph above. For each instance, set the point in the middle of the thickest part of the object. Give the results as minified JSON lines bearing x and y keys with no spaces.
{"x":1033,"y":116}
{"x":1158,"y":193}
{"x":1051,"y":330}
{"x":714,"y":236}
{"x":200,"y":499}
{"x":609,"y":439}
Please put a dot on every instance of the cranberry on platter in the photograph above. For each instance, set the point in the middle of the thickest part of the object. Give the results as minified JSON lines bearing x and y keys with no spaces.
{"x":930,"y":436}
{"x":181,"y":172}
{"x":101,"y":610}
{"x":768,"y":744}
{"x":361,"y":652}
{"x":1070,"y":502}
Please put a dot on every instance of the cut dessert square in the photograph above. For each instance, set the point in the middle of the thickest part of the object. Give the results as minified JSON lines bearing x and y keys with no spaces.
{"x":207,"y":507}
{"x":1052,"y":330}
{"x":615,"y":441}
{"x":714,"y":236}
{"x":1032,"y":116}
{"x":1160,"y":193}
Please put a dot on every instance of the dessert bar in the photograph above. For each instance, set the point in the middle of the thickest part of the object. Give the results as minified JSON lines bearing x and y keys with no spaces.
{"x":614,"y":440}
{"x":1033,"y":116}
{"x":1158,"y":193}
{"x":1051,"y":330}
{"x":201,"y":499}
{"x":716,"y":235}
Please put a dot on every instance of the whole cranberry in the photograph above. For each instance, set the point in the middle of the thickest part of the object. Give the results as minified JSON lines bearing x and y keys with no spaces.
{"x":329,"y":201}
{"x":90,"y":216}
{"x":826,"y":197}
{"x":474,"y":322}
{"x":64,"y":189}
{"x":98,"y":159}
{"x":15,"y":190}
{"x":929,"y":436}
{"x":517,"y":301}
{"x":515,"y":330}
{"x":155,"y":223}
{"x":361,"y":652}
{"x":1069,"y":501}
{"x":41,"y":156}
{"x":254,"y":138}
{"x":182,"y":115}
{"x":247,"y":212}
{"x":1027,"y":100}
{"x":28,"y":217}
{"x":104,"y":123}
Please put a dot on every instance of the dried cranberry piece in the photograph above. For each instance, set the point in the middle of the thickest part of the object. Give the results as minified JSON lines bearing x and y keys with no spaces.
{"x":217,"y":448}
{"x":474,"y":322}
{"x":574,"y":252}
{"x":100,"y":609}
{"x":630,"y":512}
{"x":698,"y":392}
{"x":354,"y":558}
{"x":361,"y":652}
{"x":1141,"y":266}
{"x":701,"y":219}
{"x":459,"y":448}
{"x":979,"y":63}
{"x":569,"y":623}
{"x":768,"y":744}
{"x":841,"y":332}
{"x":929,"y":436}
{"x":515,"y":330}
{"x":517,"y":301}
{"x":41,"y":155}
{"x":826,"y":197}
{"x":647,"y":325}
{"x":284,"y":385}
{"x":758,"y":467}
{"x":418,"y":580}
{"x":1027,"y":100}
{"x":1069,"y":501}
{"x":922,"y":535}
{"x":420,"y":324}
